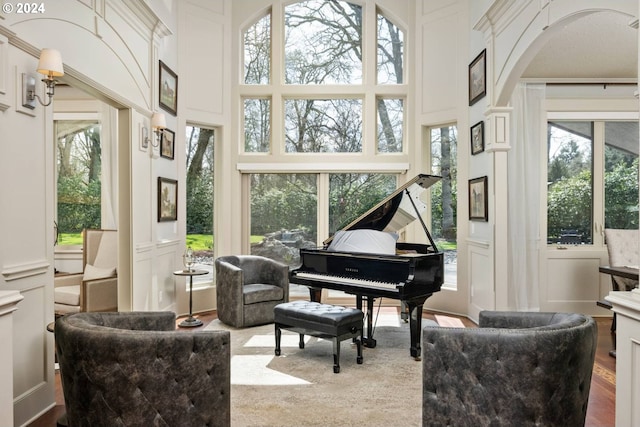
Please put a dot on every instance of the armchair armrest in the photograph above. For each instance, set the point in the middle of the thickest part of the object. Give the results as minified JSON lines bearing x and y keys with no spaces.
{"x":229,"y":281}
{"x":99,"y":294}
{"x":67,"y":280}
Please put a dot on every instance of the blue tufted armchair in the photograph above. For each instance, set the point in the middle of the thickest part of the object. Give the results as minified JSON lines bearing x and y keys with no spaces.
{"x":515,"y":369}
{"x":135,"y":369}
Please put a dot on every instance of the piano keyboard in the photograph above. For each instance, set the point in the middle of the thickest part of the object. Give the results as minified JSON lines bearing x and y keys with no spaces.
{"x":348,"y":280}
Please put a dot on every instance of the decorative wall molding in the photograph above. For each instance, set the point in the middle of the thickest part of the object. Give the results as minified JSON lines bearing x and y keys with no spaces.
{"x":168,"y":243}
{"x":4,"y":67}
{"x":484,"y":244}
{"x":323,"y":167}
{"x":9,"y":301}
{"x":21,"y":271}
{"x":144,"y":247}
{"x":145,"y":14}
{"x":498,"y":121}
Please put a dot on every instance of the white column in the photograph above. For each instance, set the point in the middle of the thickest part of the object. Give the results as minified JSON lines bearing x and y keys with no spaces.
{"x":498,"y":122}
{"x":626,"y":305}
{"x":8,"y":304}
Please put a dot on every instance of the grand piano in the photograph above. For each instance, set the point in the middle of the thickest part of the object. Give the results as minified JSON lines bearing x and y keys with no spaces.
{"x":412,"y":274}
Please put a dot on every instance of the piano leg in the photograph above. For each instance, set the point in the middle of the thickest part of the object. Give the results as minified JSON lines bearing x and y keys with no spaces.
{"x":315,"y":294}
{"x":367,"y":340}
{"x":415,"y":327}
{"x":404,"y":312}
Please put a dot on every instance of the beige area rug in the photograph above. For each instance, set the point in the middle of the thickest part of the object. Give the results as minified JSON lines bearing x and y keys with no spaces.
{"x":299,"y":387}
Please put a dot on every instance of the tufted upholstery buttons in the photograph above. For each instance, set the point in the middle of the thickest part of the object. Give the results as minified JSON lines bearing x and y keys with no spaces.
{"x":516,"y":369}
{"x":134,"y":369}
{"x":320,"y":320}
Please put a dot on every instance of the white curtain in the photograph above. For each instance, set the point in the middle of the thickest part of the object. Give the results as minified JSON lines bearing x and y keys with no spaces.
{"x":109,"y":177}
{"x":528,"y":124}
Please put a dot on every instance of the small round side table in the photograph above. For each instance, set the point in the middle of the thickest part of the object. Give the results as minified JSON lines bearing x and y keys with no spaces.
{"x":190,"y":321}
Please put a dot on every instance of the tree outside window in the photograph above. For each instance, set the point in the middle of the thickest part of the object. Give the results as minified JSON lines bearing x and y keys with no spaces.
{"x":78,"y":149}
{"x":444,"y":196}
{"x":324,"y":104}
{"x":571,"y":186}
{"x":199,"y":192}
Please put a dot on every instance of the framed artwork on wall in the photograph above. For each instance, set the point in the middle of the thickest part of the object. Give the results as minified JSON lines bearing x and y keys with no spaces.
{"x":167,"y":199}
{"x":477,"y":138}
{"x":168,"y":90}
{"x":477,"y":78}
{"x":478,"y":199}
{"x":167,"y":144}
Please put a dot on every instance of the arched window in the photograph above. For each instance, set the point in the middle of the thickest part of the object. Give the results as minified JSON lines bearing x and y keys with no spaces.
{"x":325,"y":100}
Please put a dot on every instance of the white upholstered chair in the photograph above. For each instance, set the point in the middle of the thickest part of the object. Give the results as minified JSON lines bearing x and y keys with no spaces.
{"x":624,"y":251}
{"x":623,"y":248}
{"x":96,"y":288}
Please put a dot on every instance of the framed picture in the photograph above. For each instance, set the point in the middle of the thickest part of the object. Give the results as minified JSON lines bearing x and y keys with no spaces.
{"x":477,"y":138}
{"x":168,"y":89}
{"x":477,"y":78}
{"x":167,"y":199}
{"x":478,"y":199}
{"x":167,"y":144}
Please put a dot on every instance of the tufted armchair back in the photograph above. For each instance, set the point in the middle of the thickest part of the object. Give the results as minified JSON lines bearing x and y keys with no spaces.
{"x":515,"y":369}
{"x":623,"y":249}
{"x":135,"y":369}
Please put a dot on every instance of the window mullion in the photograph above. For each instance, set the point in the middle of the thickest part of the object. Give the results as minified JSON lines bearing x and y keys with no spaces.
{"x":369,"y":63}
{"x":598,"y":182}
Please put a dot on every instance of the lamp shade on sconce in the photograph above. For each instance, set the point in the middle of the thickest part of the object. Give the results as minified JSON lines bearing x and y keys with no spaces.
{"x":158,"y":121}
{"x":50,"y":63}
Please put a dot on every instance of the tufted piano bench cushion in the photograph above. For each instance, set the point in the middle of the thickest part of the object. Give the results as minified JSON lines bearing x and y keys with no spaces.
{"x":320,"y":320}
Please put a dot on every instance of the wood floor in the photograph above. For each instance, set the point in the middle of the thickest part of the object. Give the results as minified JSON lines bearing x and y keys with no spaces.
{"x":600,"y":413}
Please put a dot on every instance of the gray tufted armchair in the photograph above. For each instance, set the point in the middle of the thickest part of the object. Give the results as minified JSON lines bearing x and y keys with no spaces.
{"x":515,"y":369}
{"x":248,"y":287}
{"x":135,"y":369}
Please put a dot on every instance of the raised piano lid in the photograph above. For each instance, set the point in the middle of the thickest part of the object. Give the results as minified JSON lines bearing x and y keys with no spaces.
{"x":397,"y":210}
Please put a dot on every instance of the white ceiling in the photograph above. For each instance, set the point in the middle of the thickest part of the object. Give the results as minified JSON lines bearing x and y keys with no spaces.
{"x":600,"y":46}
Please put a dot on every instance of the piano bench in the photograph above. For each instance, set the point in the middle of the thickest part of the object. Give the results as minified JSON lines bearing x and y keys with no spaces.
{"x":322,"y":321}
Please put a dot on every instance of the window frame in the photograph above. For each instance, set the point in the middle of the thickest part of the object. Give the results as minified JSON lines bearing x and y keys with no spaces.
{"x":75,"y":116}
{"x":369,"y":91}
{"x":598,"y":211}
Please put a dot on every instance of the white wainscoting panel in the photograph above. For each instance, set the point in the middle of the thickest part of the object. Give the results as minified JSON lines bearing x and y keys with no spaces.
{"x":571,"y":284}
{"x":627,"y":307}
{"x":481,"y":282}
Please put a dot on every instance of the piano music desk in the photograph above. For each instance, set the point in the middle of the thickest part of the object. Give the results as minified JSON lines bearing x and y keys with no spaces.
{"x":322,"y":321}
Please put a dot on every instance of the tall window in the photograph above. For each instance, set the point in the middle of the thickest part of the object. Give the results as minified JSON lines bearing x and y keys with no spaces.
{"x":199,"y":189}
{"x":79,"y":166}
{"x":621,"y":175}
{"x":307,"y":99}
{"x":284,"y":210}
{"x":444,"y":196}
{"x":284,"y":218}
{"x":323,"y":46}
{"x":574,"y":183}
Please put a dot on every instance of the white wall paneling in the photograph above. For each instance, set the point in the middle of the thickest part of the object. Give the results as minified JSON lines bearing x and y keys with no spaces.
{"x":33,"y":353}
{"x":8,"y":305}
{"x":571,"y":281}
{"x":481,"y":286}
{"x":4,"y":72}
{"x":165,"y":262}
{"x":202,"y":61}
{"x":627,"y":307}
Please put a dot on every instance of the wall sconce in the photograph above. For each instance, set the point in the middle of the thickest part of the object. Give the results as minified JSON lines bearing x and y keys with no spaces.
{"x":50,"y":65}
{"x":158,"y":123}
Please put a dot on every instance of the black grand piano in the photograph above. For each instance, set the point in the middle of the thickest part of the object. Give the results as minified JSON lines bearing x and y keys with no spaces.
{"x":411,"y":275}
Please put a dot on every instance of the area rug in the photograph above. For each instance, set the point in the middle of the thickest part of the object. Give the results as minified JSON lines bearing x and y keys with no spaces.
{"x":299,"y":387}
